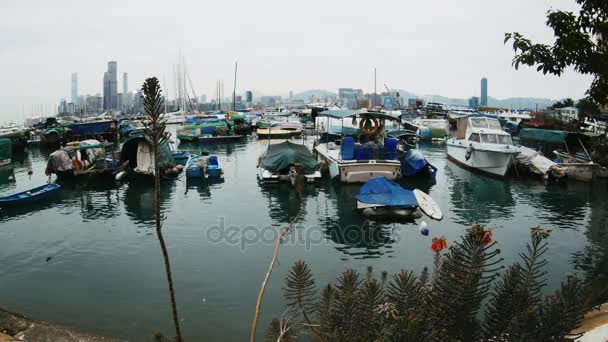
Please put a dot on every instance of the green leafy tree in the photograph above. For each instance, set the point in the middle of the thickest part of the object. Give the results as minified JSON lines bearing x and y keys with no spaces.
{"x":562,"y":104}
{"x":581,"y":42}
{"x":157,"y":135}
{"x":443,"y":307}
{"x":587,"y":108}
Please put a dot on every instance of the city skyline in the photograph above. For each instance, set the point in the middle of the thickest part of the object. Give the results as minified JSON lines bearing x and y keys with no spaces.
{"x":330,"y":52}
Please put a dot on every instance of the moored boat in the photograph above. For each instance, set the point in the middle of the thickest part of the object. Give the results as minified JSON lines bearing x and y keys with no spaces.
{"x":414,"y":163}
{"x":6,"y":151}
{"x":383,"y":199}
{"x":287,"y":161}
{"x":357,"y":163}
{"x":482,"y":145}
{"x":87,"y":157}
{"x":203,"y":167}
{"x":29,"y":196}
{"x":278,"y":132}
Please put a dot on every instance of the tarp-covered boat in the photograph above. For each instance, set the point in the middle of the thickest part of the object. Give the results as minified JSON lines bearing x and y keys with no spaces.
{"x":381,"y":198}
{"x":85,"y":157}
{"x":413,"y":163}
{"x":138,"y":152}
{"x":537,"y":164}
{"x":30,"y":196}
{"x":6,"y":151}
{"x":279,"y":161}
{"x":384,"y":199}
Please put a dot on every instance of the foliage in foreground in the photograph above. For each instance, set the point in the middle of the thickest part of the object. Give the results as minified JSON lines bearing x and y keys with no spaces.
{"x":444,"y":306}
{"x":581,"y":42}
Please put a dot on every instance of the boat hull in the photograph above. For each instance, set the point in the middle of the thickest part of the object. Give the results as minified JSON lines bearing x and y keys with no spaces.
{"x":267,"y":176}
{"x":220,"y":138}
{"x":30,"y":196}
{"x":495,"y":163}
{"x":359,"y":171}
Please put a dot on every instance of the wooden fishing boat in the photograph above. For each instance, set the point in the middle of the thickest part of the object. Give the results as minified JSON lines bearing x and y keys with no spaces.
{"x":31,"y":195}
{"x":278,"y":132}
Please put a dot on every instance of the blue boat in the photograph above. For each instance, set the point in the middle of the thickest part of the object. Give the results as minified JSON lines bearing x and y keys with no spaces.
{"x":30,"y":196}
{"x":203,"y":167}
{"x":181,"y":157}
{"x":413,"y":163}
{"x":380,"y":198}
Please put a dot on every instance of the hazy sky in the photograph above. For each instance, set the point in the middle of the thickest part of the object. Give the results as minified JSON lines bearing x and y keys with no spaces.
{"x":427,"y":47}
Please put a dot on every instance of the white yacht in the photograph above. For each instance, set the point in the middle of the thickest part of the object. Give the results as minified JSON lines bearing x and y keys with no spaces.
{"x":176,"y":118}
{"x":481,"y":144}
{"x":355,"y":163}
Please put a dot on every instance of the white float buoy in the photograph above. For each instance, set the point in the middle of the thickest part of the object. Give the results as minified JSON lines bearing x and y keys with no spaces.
{"x":423,"y":228}
{"x":120,"y":175}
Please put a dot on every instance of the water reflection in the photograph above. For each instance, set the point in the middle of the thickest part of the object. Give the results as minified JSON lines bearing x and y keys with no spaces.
{"x":564,"y":204}
{"x":285,"y":202}
{"x":139,"y":199}
{"x":353,"y":234}
{"x":477,"y":198}
{"x":593,"y":259}
{"x":203,"y":186}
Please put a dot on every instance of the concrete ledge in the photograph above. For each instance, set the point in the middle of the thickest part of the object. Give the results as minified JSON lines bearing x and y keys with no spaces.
{"x":15,"y":327}
{"x":595,"y":325}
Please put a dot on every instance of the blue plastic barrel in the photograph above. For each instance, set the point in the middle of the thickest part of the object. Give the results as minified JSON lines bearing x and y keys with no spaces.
{"x":425,"y":133}
{"x":390,"y":148}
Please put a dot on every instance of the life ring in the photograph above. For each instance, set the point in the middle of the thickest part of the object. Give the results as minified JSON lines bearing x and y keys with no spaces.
{"x":77,"y":165}
{"x":369,"y":131}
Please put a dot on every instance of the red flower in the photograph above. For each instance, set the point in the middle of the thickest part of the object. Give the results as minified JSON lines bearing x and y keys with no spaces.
{"x":487,"y":237}
{"x":438,"y":244}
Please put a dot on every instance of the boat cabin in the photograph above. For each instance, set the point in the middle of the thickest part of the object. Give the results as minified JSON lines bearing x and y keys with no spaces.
{"x":482,"y":129}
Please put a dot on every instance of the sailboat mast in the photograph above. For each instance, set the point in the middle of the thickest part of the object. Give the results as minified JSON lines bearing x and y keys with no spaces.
{"x":236,"y":64}
{"x":375,"y":90}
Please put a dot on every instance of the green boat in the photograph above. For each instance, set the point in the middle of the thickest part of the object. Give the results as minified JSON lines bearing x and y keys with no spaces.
{"x":212,"y":127}
{"x":6,"y":151}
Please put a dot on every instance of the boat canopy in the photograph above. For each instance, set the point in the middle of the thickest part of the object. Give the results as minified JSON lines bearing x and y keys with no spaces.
{"x":6,"y":147}
{"x":384,"y":192}
{"x":350,"y":113}
{"x":543,"y":135}
{"x":280,"y":156}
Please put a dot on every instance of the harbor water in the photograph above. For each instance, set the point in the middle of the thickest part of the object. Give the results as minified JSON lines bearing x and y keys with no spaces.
{"x":89,"y":257}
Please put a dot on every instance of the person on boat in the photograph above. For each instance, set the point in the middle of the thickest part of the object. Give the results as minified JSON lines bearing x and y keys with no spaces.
{"x":202,"y":164}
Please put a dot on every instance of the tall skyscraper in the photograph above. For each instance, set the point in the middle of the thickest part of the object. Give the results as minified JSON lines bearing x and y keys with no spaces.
{"x":110,"y":87}
{"x":484,"y":92}
{"x":75,"y":88}
{"x":125,"y":83}
{"x":248,"y":96}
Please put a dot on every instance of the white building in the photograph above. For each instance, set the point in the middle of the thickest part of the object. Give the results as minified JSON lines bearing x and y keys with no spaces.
{"x":568,"y":114}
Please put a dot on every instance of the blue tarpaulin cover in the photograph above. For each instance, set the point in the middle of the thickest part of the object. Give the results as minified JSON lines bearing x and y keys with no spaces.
{"x":385,"y":192}
{"x":412,"y":162}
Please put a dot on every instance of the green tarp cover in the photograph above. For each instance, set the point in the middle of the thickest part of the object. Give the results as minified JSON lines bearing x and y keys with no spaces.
{"x":279,"y":157}
{"x":6,"y":148}
{"x":543,"y":135}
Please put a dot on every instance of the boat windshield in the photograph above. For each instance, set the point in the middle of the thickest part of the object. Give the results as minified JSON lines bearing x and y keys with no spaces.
{"x":505,"y":139}
{"x":479,"y":122}
{"x":494,"y":123}
{"x":489,"y":138}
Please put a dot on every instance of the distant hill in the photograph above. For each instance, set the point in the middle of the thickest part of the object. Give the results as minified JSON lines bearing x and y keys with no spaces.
{"x":511,"y":103}
{"x":315,"y":94}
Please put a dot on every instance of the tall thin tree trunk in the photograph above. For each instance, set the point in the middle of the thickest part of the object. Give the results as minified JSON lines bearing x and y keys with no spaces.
{"x":163,"y":247}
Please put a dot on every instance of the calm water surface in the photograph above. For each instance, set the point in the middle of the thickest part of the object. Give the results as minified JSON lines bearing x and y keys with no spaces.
{"x":106,"y":272}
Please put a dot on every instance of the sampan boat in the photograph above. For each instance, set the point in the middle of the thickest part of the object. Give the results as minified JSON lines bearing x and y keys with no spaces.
{"x":30,"y":196}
